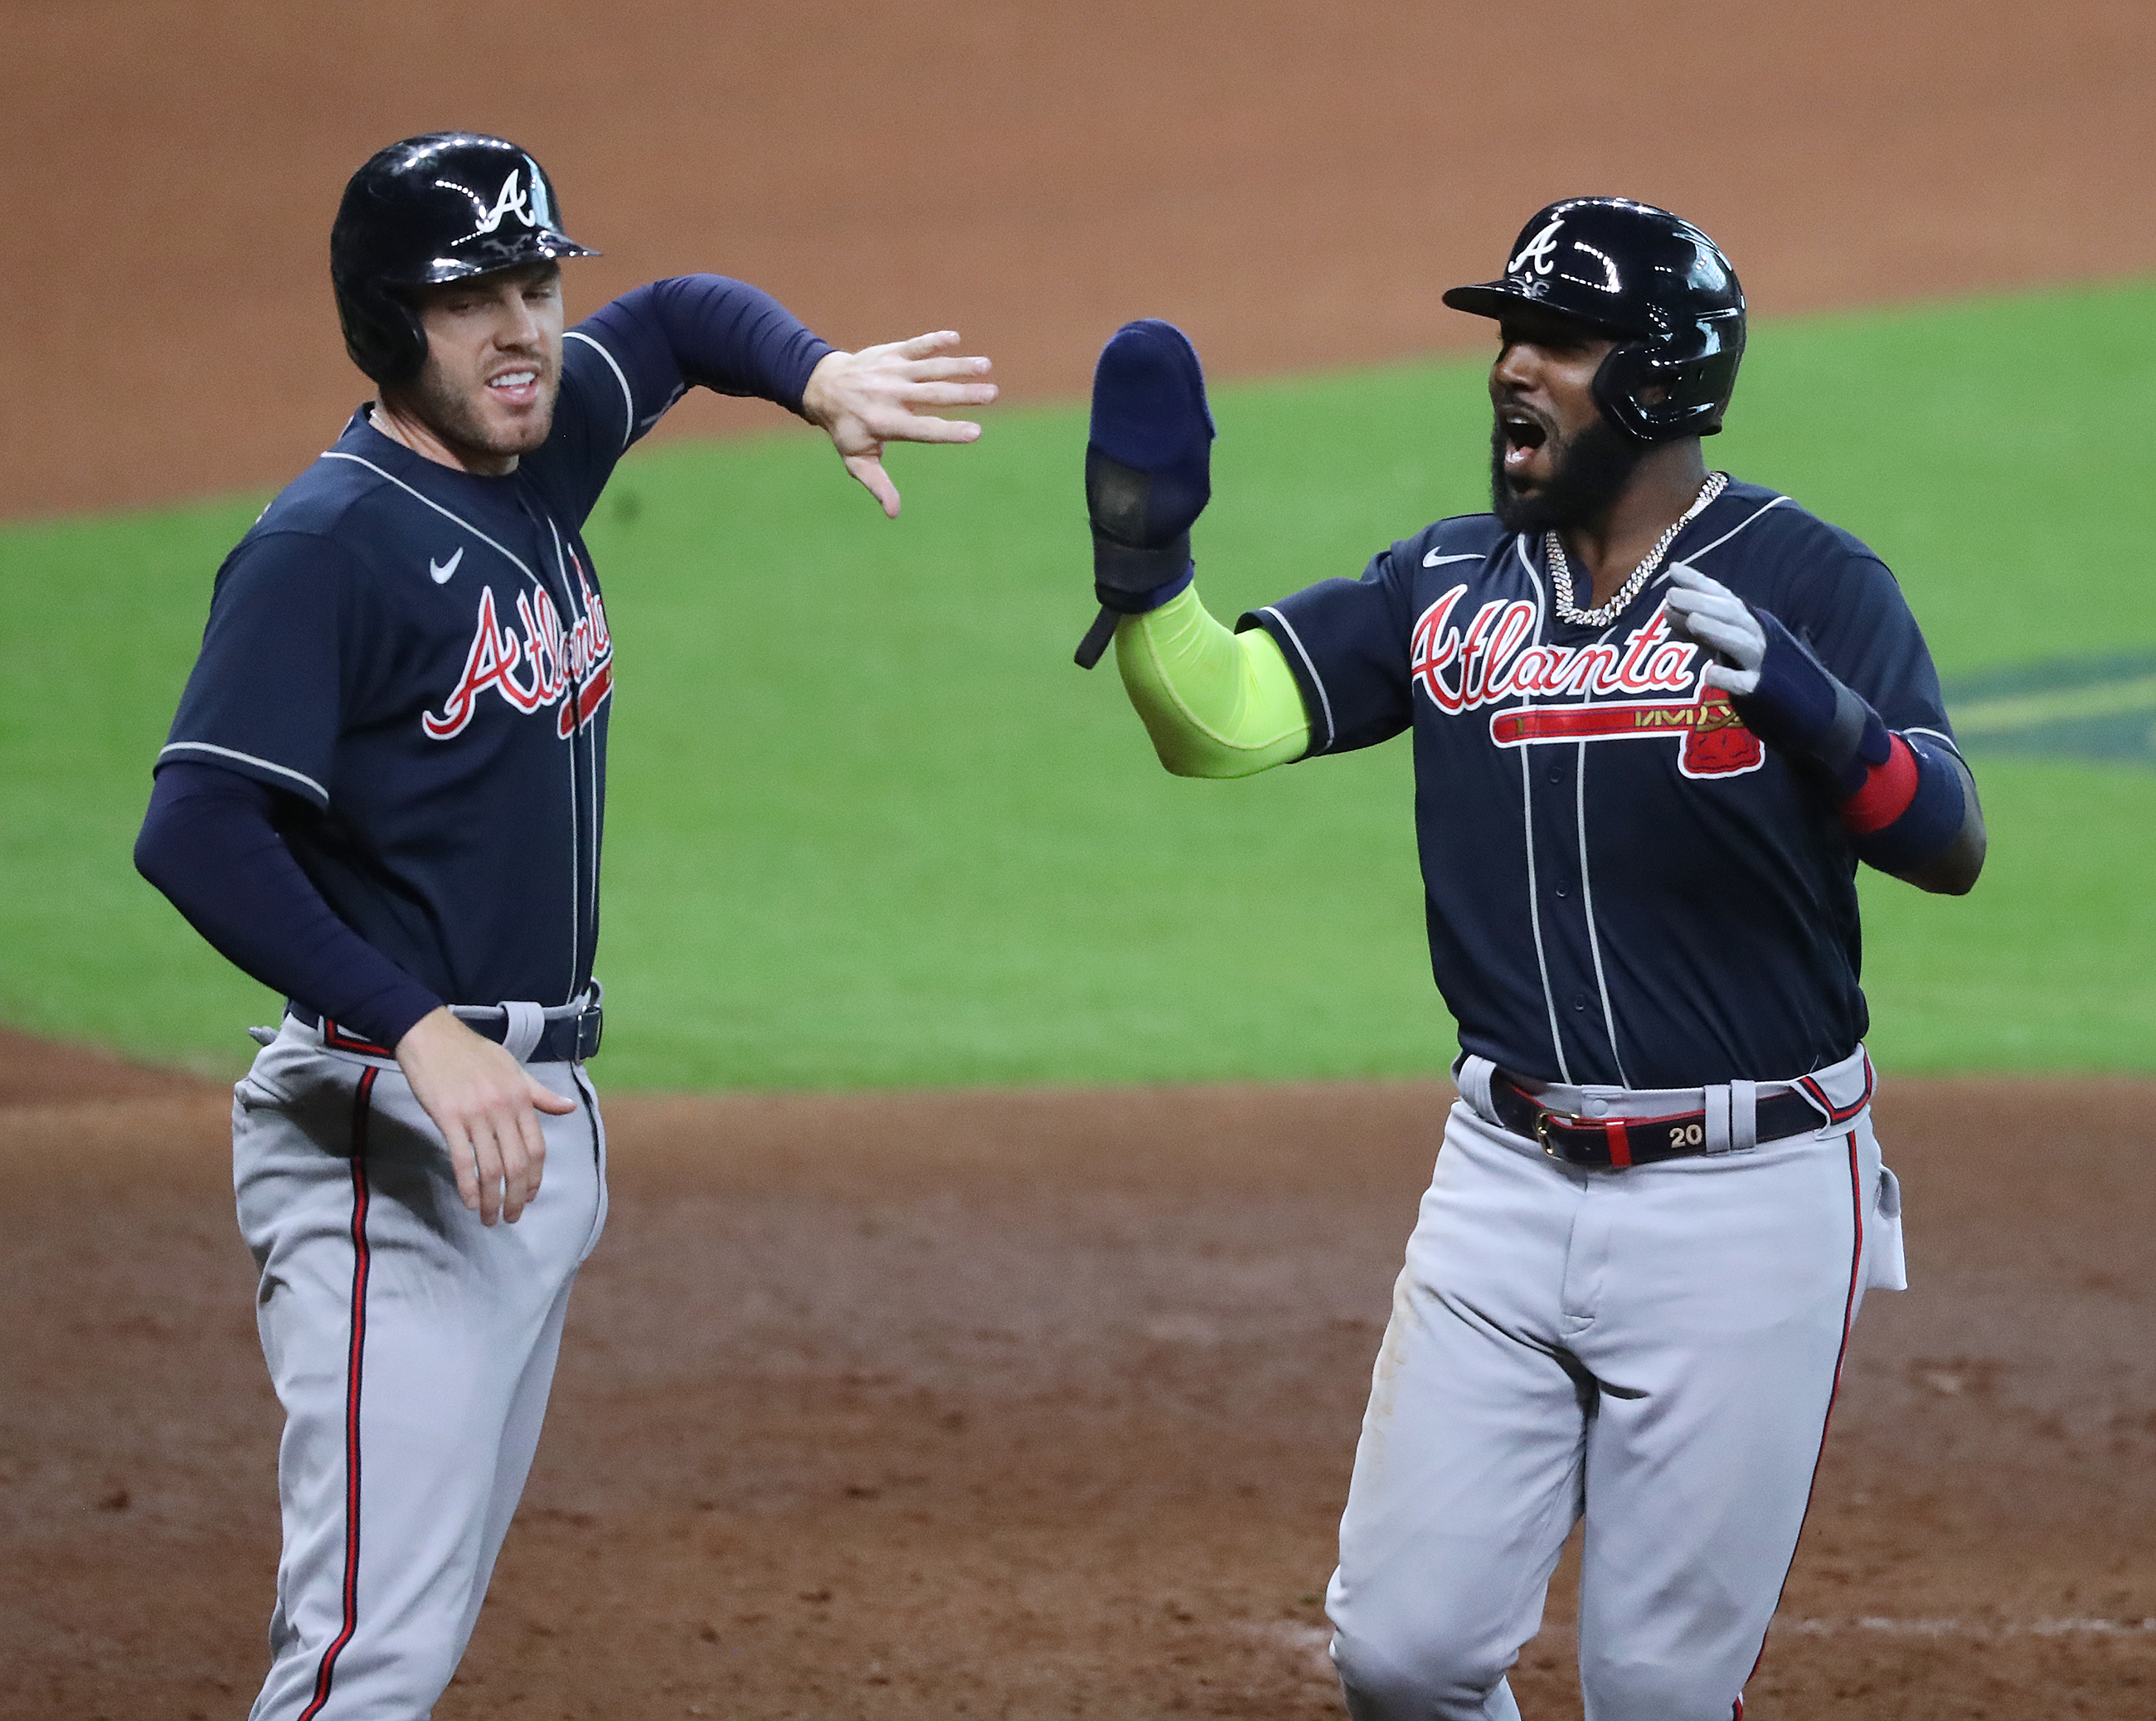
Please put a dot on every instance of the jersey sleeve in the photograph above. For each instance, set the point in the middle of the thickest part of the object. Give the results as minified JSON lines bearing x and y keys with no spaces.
{"x":1852,"y":615}
{"x":1346,"y":641}
{"x":625,"y":364}
{"x":268,"y":693}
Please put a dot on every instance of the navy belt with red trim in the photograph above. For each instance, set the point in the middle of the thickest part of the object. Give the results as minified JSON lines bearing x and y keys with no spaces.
{"x":564,"y":1040}
{"x":1619,"y":1142}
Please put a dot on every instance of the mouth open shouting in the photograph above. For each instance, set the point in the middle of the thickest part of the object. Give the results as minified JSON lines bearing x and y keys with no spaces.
{"x":1522,"y":435}
{"x":1542,"y":481}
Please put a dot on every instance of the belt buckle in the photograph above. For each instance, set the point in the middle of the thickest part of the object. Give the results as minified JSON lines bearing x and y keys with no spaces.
{"x":591,"y":1028}
{"x":1544,"y":1116}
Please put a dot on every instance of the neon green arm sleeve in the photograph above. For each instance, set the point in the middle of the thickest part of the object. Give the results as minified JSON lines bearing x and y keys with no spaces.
{"x":1217,"y":704}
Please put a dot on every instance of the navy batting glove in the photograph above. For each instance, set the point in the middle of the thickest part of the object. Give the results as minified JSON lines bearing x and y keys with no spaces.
{"x":1148,"y":472}
{"x":1908,"y":804}
{"x":1799,"y":708}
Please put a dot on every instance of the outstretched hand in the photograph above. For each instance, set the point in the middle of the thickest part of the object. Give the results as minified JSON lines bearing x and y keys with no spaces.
{"x":483,"y":1101}
{"x":867,"y":399}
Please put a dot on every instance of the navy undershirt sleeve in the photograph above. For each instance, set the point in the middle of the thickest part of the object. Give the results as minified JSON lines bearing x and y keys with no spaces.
{"x":210,"y":843}
{"x":625,"y":364}
{"x":704,"y":330}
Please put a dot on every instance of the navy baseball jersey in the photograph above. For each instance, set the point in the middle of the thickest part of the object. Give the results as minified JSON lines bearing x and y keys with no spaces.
{"x":418,"y":658}
{"x":1622,"y":885}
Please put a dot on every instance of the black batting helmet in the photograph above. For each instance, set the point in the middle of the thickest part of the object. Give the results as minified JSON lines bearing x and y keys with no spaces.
{"x":430,"y":209}
{"x":1657,"y":283}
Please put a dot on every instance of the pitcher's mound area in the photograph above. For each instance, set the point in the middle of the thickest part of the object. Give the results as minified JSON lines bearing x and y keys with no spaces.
{"x":1042,"y":1405}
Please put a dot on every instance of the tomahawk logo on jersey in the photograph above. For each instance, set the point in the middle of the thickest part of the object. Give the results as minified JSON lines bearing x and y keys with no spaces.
{"x":1649,"y":833}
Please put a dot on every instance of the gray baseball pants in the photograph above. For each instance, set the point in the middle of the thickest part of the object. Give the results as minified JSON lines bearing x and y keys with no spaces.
{"x":412,"y":1349}
{"x":1655,"y":1350}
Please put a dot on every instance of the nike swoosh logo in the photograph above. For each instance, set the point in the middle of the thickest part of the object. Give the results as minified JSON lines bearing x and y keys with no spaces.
{"x":442,"y":570}
{"x":1433,"y":560}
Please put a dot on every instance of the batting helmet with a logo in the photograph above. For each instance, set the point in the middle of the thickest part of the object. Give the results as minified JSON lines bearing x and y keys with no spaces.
{"x":434,"y":208}
{"x":1657,"y":284}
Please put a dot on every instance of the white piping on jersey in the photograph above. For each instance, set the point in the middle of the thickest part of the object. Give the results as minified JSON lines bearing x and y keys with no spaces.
{"x":1586,"y":876}
{"x":576,"y":869}
{"x":1579,"y":820}
{"x":1587,"y":905}
{"x":1528,"y":826}
{"x":1534,"y":577}
{"x":628,"y":400}
{"x":1535,"y":916}
{"x":338,"y":454}
{"x":226,"y":753}
{"x":1718,"y":543}
{"x":1324,"y":699}
{"x":576,"y":697}
{"x":1946,"y":741}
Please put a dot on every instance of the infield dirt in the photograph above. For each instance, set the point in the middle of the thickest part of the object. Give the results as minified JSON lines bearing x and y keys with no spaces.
{"x":1035,"y":1405}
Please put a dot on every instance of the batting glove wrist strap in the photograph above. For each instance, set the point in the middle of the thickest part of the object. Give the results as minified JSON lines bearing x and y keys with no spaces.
{"x":1905,"y":801}
{"x":1801,"y":709}
{"x":1131,"y":582}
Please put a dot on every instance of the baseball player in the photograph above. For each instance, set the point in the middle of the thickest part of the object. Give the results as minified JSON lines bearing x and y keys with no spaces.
{"x":1659,"y":717}
{"x":383,"y":796}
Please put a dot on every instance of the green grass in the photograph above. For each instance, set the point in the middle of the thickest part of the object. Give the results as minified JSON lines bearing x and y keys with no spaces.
{"x":2044,"y":965}
{"x":108,"y":614}
{"x":870,"y":827}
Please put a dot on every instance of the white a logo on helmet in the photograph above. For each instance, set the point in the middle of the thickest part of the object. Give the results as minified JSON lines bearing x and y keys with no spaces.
{"x":539,"y":214}
{"x":511,"y":202}
{"x":1540,"y":251}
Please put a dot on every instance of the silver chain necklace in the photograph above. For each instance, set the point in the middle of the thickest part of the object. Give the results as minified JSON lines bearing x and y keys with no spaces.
{"x":1603,"y":614}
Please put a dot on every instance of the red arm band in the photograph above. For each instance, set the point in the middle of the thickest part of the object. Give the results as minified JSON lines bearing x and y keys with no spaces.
{"x":1885,"y":793}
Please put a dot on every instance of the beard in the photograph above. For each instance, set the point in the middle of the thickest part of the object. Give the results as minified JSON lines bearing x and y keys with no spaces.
{"x":1589,"y":470}
{"x":456,"y":417}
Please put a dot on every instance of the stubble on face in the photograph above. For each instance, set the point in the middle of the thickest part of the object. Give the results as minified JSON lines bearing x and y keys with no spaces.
{"x":1590,"y":470}
{"x":493,"y":370}
{"x":456,"y":409}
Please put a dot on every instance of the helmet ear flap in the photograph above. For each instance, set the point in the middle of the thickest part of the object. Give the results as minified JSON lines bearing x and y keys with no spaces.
{"x":1625,"y":372}
{"x":382,"y":333}
{"x":1651,"y":396}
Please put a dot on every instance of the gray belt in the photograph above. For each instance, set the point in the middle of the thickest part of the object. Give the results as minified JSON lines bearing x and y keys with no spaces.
{"x":532,"y":1034}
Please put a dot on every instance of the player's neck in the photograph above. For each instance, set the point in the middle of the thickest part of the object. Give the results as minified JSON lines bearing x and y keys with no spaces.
{"x":416,"y":434}
{"x":1666,"y":483}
